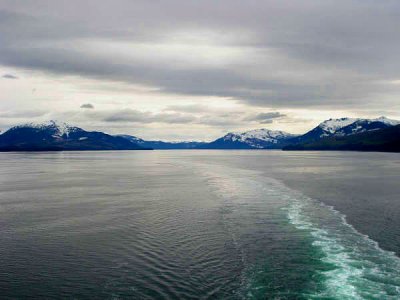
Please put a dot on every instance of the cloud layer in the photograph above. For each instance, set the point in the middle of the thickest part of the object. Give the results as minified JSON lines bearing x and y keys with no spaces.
{"x":265,"y":55}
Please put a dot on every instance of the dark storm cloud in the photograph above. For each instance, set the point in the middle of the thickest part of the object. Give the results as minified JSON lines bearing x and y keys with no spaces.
{"x":9,"y":76}
{"x":87,"y":106}
{"x":335,"y":54}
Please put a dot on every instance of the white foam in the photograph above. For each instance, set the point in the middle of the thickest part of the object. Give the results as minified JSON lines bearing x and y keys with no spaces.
{"x":358,"y":267}
{"x":361,"y":269}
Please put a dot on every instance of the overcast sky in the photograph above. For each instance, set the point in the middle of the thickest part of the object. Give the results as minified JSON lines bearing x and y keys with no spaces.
{"x":196,"y":69}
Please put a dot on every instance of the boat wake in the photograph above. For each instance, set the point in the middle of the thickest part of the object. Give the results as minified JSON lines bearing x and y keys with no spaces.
{"x":359,"y":268}
{"x":293,"y":246}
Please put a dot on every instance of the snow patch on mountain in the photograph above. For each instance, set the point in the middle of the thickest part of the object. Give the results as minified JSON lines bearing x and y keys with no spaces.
{"x":385,"y":120}
{"x":131,"y":138}
{"x":60,"y":128}
{"x":260,"y":134}
{"x":259,"y":137}
{"x":346,"y":126}
{"x":332,"y":125}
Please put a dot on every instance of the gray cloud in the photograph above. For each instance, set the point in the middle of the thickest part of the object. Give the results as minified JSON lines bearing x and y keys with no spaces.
{"x":265,"y":118}
{"x":266,"y":121}
{"x":332,"y":54}
{"x":9,"y":76}
{"x":192,"y":108}
{"x":224,"y":120}
{"x":87,"y":106}
{"x":135,"y":116}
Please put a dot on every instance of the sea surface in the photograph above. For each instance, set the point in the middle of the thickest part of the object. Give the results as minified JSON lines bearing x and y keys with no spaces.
{"x":199,"y":225}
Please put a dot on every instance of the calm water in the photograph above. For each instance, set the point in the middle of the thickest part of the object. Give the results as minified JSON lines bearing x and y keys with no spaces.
{"x":200,"y":225}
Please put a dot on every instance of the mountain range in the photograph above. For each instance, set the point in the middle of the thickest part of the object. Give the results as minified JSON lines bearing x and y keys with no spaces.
{"x":386,"y":140}
{"x":253,"y":139}
{"x":343,"y":127}
{"x":53,"y":136}
{"x":161,"y":145}
{"x":380,"y":134}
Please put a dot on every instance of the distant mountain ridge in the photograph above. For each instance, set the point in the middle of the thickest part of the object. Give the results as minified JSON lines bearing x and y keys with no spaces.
{"x":329,"y":134}
{"x":384,"y":139}
{"x":161,"y":145}
{"x":269,"y":139}
{"x":378,"y":134}
{"x":53,"y":136}
{"x":253,"y":139}
{"x":343,"y":127}
{"x":364,"y":125}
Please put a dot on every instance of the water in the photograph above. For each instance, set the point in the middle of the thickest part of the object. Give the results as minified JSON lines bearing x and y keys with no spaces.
{"x":199,"y":225}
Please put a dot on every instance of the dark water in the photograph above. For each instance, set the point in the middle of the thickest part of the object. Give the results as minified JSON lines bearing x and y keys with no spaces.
{"x":199,"y":225}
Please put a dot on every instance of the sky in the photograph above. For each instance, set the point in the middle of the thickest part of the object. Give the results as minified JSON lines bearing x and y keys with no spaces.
{"x":195,"y":70}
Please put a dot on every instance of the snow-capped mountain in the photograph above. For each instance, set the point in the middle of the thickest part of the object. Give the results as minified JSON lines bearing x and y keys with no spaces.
{"x":363,"y":125}
{"x":253,"y":139}
{"x":386,"y":139}
{"x":57,"y":129}
{"x":59,"y":136}
{"x":343,"y":127}
{"x":331,"y":126}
